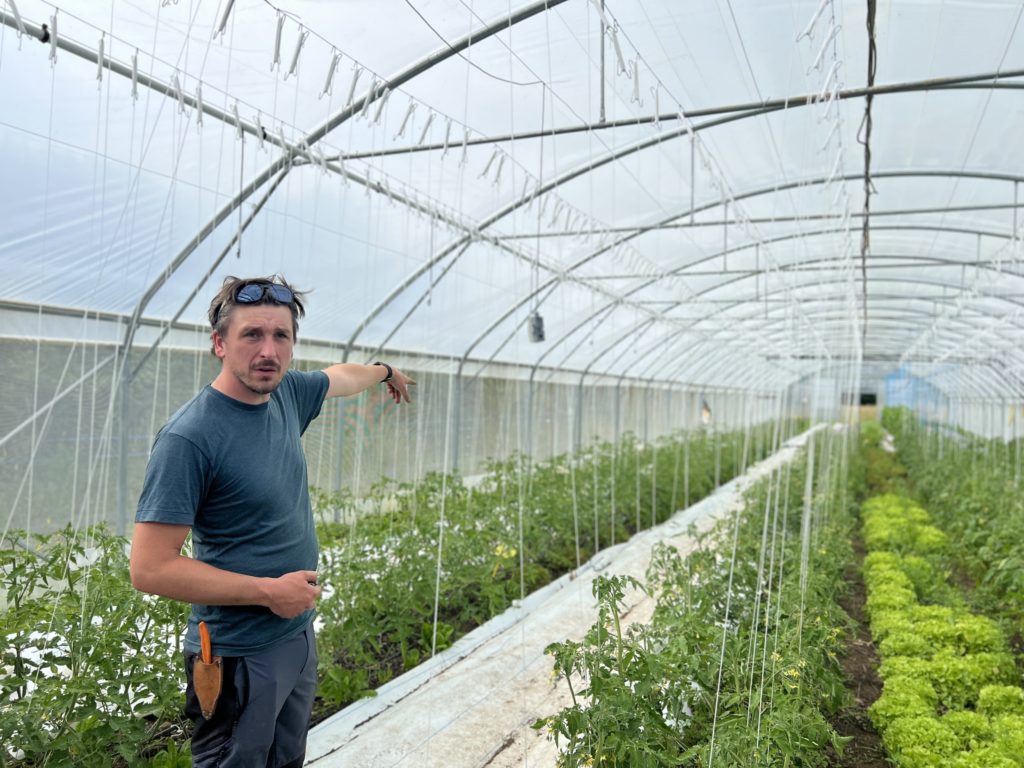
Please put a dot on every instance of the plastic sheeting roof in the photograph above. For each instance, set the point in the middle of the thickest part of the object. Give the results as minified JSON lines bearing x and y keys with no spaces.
{"x":677,"y":188}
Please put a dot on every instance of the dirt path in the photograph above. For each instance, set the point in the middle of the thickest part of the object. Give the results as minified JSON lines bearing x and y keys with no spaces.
{"x":860,"y":664}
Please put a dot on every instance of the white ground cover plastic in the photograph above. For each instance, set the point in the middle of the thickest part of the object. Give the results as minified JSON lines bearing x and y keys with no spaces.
{"x":472,"y":705}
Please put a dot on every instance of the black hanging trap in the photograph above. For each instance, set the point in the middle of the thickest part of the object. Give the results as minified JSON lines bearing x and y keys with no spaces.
{"x":536,"y":327}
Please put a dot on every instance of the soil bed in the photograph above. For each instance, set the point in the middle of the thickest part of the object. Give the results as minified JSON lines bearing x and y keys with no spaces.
{"x":864,"y":749}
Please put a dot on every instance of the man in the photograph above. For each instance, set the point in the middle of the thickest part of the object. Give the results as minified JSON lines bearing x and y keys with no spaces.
{"x":229,"y":467}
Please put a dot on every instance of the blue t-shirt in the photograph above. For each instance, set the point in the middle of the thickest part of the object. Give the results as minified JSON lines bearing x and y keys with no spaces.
{"x":236,"y":474}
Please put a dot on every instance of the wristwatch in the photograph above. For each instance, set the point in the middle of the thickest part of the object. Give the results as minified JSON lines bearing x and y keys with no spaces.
{"x":388,"y":369}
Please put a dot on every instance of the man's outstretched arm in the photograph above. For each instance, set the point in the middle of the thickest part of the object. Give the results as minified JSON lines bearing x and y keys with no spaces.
{"x":352,"y":378}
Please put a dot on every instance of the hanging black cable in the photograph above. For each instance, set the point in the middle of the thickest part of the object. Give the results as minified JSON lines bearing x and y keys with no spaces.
{"x":864,"y":137}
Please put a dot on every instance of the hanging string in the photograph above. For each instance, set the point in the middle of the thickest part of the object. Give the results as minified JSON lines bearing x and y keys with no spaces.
{"x":241,"y":187}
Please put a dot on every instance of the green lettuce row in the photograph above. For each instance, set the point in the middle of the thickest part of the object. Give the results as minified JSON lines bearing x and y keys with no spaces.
{"x":949,"y":696}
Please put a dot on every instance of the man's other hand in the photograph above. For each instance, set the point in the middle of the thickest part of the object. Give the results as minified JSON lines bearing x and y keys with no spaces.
{"x":292,"y":594}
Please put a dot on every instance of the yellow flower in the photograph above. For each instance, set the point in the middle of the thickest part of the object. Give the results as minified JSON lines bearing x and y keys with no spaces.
{"x":504,"y":552}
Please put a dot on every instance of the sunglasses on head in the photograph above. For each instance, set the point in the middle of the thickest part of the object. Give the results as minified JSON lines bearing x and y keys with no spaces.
{"x":251,"y":293}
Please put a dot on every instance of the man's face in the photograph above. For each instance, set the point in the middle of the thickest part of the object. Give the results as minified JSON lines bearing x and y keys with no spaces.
{"x":256,"y":351}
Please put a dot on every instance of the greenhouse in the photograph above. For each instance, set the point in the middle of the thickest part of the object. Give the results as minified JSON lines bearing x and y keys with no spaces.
{"x":673,"y":410}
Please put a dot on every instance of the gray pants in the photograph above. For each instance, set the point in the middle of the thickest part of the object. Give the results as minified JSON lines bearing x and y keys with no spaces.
{"x":263,"y":712}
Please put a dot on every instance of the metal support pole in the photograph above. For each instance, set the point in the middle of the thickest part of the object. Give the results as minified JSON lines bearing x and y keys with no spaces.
{"x":618,"y":410}
{"x":578,"y":437}
{"x":603,"y":115}
{"x":340,"y":463}
{"x":456,"y":418}
{"x":124,"y":393}
{"x":529,"y":418}
{"x":647,"y":414}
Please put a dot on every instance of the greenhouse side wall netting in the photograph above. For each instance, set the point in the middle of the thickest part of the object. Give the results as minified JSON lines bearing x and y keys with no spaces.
{"x":64,"y":466}
{"x":589,"y":382}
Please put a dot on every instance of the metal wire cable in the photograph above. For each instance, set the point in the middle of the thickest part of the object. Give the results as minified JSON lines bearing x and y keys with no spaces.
{"x":864,"y":137}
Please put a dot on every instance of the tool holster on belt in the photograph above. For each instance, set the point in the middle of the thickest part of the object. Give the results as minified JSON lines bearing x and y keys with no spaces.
{"x":207,"y":673}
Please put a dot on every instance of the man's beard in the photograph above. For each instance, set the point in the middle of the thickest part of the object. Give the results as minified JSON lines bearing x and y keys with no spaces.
{"x":257,"y":386}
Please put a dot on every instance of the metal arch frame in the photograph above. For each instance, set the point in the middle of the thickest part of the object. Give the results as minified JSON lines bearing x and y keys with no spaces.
{"x":409,"y":72}
{"x":756,"y":299}
{"x":796,"y":184}
{"x":680,"y":334}
{"x":839,"y":281}
{"x":441,"y":54}
{"x":662,"y":344}
{"x":968,"y":82}
{"x":914,"y":281}
{"x":969,"y":374}
{"x":738,"y":248}
{"x":895,"y":321}
{"x":808,"y":218}
{"x":806,"y":266}
{"x":611,"y":157}
{"x":722,"y":310}
{"x":939,"y":283}
{"x":516,"y":204}
{"x":619,"y":153}
{"x":694,"y":209}
{"x":587,"y":320}
{"x":775,"y":189}
{"x":280,"y":165}
{"x":891,"y":334}
{"x":973,"y":326}
{"x":777,"y":308}
{"x":641,"y":326}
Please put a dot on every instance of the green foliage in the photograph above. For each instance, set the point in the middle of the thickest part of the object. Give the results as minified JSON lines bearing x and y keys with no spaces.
{"x":905,"y":643}
{"x":173,"y":757}
{"x":96,"y":673}
{"x":631,"y":706}
{"x":896,"y":524}
{"x":937,"y":659}
{"x":956,"y":678}
{"x":1009,"y":730}
{"x":972,"y":487}
{"x":996,"y":700}
{"x":904,"y":696}
{"x":882,"y":471}
{"x":984,"y":757}
{"x":919,"y":741}
{"x":889,"y":597}
{"x":972,"y":729}
{"x":95,"y":667}
{"x":714,"y":693}
{"x":522,"y":525}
